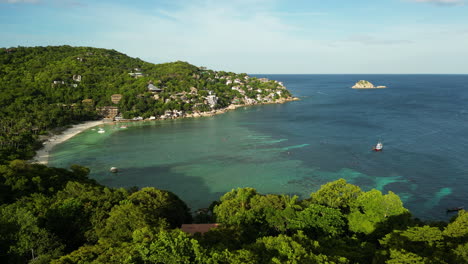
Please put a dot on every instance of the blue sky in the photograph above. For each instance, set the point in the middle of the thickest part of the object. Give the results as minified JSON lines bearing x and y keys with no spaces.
{"x":255,"y":36}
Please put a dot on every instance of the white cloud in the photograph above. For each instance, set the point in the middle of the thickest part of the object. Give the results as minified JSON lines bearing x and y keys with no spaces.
{"x":442,"y":2}
{"x":55,"y":3}
{"x":373,"y":40}
{"x":217,"y":35}
{"x":20,"y":1}
{"x":240,"y":38}
{"x":256,"y":38}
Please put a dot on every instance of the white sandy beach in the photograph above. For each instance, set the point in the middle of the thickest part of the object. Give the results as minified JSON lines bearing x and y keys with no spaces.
{"x":42,"y":155}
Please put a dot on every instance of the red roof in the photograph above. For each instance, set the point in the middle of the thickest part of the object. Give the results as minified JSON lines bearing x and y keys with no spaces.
{"x":194,"y":228}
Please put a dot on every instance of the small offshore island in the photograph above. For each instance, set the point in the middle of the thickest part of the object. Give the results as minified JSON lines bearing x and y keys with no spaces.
{"x":363,"y":84}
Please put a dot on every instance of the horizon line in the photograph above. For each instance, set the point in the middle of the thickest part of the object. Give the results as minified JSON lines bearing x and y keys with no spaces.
{"x":359,"y":73}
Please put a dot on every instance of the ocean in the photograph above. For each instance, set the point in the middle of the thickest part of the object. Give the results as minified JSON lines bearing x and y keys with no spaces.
{"x":296,"y":147}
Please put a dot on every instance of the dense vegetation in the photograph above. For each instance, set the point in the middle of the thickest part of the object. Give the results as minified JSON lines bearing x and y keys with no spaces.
{"x":42,"y":88}
{"x":52,"y":215}
{"x":60,"y":216}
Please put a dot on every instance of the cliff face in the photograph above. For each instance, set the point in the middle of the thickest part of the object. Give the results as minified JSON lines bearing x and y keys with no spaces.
{"x":362,"y":84}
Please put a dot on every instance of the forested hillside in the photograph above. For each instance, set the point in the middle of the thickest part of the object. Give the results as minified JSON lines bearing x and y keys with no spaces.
{"x":42,"y":88}
{"x":52,"y":215}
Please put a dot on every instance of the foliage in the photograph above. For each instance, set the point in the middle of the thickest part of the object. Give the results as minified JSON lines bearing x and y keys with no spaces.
{"x":156,"y":203}
{"x":60,"y":216}
{"x":371,"y":208}
{"x":52,"y":215}
{"x":44,"y":88}
{"x":338,"y":194}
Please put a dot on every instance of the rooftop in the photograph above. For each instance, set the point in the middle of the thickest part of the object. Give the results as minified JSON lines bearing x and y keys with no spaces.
{"x":197,"y":228}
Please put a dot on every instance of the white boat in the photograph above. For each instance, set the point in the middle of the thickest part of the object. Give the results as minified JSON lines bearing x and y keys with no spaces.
{"x":101,"y":131}
{"x":378,"y":147}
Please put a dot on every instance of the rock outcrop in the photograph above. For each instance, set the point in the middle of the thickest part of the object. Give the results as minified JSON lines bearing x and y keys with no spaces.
{"x":362,"y":84}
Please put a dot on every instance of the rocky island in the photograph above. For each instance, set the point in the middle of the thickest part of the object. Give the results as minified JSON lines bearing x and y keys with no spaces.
{"x":363,"y":84}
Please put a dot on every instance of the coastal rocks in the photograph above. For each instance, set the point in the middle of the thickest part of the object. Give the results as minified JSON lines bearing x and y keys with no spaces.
{"x":363,"y":84}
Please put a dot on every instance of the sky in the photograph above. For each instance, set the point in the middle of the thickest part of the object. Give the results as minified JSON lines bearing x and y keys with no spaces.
{"x":256,"y":36}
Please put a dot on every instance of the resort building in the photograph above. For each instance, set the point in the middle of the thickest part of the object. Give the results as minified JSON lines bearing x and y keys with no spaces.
{"x":197,"y":228}
{"x":115,"y":98}
{"x":77,"y":78}
{"x":153,"y":88}
{"x":108,"y":111}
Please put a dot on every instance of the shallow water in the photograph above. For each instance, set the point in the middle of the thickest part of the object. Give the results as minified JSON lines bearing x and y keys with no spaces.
{"x":295,"y":147}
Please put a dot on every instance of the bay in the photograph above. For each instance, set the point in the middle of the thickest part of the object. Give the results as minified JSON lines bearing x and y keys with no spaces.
{"x":294,"y":148}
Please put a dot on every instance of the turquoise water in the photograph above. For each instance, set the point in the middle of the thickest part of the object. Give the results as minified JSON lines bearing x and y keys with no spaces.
{"x":295,"y":147}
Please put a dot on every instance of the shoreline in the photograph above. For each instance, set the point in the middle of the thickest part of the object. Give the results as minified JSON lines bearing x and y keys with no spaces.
{"x":42,"y":155}
{"x":233,"y":107}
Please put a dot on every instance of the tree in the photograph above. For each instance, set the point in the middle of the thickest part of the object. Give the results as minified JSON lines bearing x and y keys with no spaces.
{"x":21,"y":237}
{"x":168,"y":247}
{"x":318,"y":220}
{"x":295,"y":249}
{"x":404,"y":257}
{"x":424,"y":242}
{"x":337,"y":194}
{"x":234,"y":207}
{"x":458,"y":229}
{"x":371,"y":208}
{"x":123,"y":220}
{"x":156,"y":204}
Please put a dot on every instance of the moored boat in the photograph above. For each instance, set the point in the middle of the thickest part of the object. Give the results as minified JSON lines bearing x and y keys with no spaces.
{"x":454,"y":209}
{"x":378,"y":147}
{"x":101,"y":131}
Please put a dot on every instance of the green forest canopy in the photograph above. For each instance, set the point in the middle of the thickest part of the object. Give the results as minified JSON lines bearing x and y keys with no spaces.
{"x":61,"y":216}
{"x":42,"y":88}
{"x":53,"y":215}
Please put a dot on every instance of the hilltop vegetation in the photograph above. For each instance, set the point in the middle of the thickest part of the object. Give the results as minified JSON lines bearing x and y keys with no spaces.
{"x":42,"y":88}
{"x":52,"y":215}
{"x":59,"y":216}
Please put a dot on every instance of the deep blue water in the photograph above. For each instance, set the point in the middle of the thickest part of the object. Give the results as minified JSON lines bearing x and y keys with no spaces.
{"x":421,"y":119}
{"x":295,"y":147}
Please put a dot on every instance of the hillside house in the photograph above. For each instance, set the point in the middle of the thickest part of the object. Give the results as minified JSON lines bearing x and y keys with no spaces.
{"x":136,"y":74}
{"x":212,"y":100}
{"x":56,"y":82}
{"x":108,"y":111}
{"x":88,"y":101}
{"x":152,"y":88}
{"x":197,"y":228}
{"x":77,"y":78}
{"x":115,"y":98}
{"x":193,"y":90}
